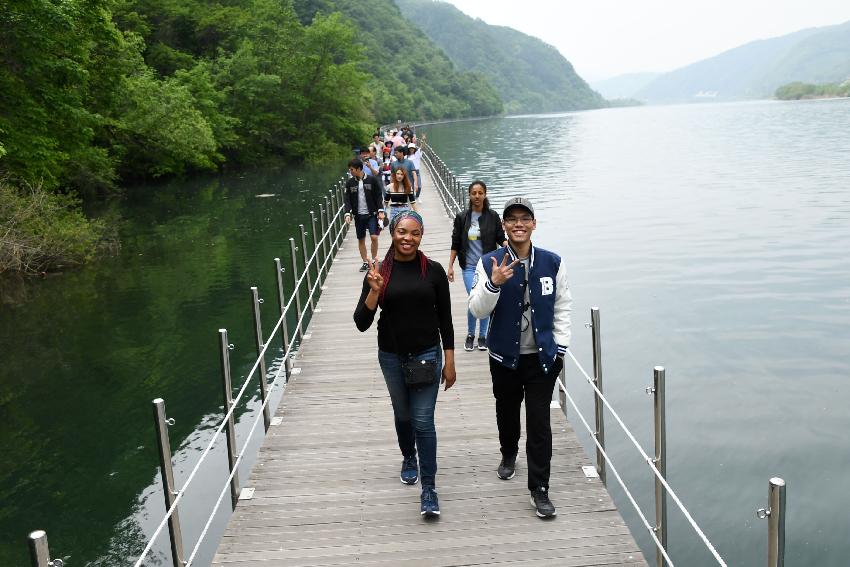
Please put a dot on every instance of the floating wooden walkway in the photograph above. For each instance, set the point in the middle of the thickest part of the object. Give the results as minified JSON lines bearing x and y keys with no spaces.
{"x":326,"y":480}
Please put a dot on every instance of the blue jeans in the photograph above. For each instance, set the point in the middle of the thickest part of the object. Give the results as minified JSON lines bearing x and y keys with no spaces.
{"x":395,"y":210}
{"x":414,"y":411}
{"x":419,"y":188}
{"x":468,"y":275}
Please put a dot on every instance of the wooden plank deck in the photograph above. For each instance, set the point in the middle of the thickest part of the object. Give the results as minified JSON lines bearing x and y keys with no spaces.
{"x":326,"y":479}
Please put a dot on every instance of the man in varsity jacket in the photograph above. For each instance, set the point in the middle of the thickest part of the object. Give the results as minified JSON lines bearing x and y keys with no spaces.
{"x":524,"y":291}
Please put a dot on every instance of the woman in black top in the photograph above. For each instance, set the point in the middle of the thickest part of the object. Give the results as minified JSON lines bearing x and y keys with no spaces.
{"x":413,"y":294}
{"x":399,"y":195}
{"x":477,"y":230}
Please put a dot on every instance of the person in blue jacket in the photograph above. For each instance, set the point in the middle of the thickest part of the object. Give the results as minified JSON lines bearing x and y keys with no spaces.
{"x":525,"y":292}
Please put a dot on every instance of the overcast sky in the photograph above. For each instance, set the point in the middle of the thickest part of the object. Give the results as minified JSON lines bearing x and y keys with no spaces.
{"x":604,"y":38}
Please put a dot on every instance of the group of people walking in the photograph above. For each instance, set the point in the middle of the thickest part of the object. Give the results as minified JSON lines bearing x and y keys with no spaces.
{"x":519,"y":300}
{"x":385,"y":181}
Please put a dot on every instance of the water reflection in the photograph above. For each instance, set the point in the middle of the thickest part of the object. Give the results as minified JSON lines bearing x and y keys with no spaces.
{"x":85,"y":352}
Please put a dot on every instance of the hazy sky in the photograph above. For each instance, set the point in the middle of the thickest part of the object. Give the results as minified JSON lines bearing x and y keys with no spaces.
{"x":604,"y":38}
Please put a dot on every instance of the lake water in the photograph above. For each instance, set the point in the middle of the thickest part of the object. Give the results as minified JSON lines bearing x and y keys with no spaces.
{"x":715,"y":240}
{"x":85,"y":352}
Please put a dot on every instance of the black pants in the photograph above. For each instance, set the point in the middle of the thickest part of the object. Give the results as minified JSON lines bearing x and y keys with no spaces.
{"x":510,"y":386}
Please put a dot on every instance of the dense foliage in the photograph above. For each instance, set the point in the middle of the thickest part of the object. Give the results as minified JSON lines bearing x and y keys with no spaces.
{"x":530,"y":75}
{"x":411,"y":77}
{"x":798,"y":90}
{"x":94,"y":91}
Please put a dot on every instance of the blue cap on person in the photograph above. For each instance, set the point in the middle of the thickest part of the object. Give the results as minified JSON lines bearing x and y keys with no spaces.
{"x":518,"y":202}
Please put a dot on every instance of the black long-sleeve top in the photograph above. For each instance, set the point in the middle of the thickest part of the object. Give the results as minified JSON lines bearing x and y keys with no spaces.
{"x":416,"y":312}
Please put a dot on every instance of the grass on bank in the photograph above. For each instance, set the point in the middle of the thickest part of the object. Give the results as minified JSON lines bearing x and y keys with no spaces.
{"x":42,"y":231}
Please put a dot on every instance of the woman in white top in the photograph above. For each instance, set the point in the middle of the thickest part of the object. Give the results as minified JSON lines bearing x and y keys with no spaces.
{"x":400,"y":195}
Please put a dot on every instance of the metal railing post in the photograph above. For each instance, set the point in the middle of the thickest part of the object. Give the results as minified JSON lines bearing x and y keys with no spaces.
{"x":161,"y":423}
{"x":775,"y":515}
{"x":310,"y":299}
{"x":258,"y":336}
{"x":332,"y":222}
{"x":230,"y":428}
{"x":317,"y":247}
{"x":660,"y":461}
{"x":597,"y":380}
{"x":284,"y":324}
{"x":327,"y":233}
{"x":39,"y":551}
{"x":339,"y":223}
{"x":295,"y":288}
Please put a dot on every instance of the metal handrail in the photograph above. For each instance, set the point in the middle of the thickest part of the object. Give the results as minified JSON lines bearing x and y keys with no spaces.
{"x":448,"y":188}
{"x":339,"y":229}
{"x":649,"y":460}
{"x":250,"y":432}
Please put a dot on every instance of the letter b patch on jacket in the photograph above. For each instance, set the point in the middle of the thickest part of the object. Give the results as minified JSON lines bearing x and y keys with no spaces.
{"x":547,"y":286}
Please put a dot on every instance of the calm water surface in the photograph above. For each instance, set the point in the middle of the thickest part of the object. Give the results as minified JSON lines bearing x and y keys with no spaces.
{"x":715,"y":240}
{"x":85,"y":352}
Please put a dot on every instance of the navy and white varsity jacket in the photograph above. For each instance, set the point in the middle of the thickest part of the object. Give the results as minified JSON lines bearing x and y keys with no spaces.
{"x":551,"y":303}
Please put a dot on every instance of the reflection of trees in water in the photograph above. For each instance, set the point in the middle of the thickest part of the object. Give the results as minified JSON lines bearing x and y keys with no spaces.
{"x":127,"y":543}
{"x":85,"y":352}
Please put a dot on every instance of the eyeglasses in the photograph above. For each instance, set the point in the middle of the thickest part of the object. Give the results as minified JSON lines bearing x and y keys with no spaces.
{"x":515,"y":220}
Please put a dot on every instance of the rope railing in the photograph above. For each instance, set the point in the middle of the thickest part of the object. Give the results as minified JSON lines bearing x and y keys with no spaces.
{"x":650,"y":528}
{"x":650,"y":461}
{"x":335,"y":226}
{"x":251,"y":431}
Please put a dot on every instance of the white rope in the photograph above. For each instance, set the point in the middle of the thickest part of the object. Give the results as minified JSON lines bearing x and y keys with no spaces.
{"x":650,"y":528}
{"x":649,"y":461}
{"x":242,"y":390}
{"x":250,"y":434}
{"x":232,"y":473}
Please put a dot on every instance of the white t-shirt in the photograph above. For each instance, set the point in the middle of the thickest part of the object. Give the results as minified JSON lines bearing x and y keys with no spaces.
{"x":362,"y":205}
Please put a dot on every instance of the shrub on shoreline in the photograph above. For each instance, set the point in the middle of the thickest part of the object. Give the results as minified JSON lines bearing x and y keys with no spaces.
{"x":42,"y":231}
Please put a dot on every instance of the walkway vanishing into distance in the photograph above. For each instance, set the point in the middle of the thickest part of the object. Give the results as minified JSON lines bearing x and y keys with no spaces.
{"x":326,"y":479}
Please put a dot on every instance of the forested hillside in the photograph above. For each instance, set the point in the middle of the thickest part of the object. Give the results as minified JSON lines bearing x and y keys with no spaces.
{"x":413,"y":78}
{"x":530,"y":75}
{"x":758,"y":68}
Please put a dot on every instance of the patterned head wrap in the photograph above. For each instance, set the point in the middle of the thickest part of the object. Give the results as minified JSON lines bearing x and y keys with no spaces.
{"x":407,"y":215}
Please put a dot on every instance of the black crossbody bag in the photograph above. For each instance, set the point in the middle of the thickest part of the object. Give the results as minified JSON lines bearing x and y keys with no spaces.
{"x":417,"y":373}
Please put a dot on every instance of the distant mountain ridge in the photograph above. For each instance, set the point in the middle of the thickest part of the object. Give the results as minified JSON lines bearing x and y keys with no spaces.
{"x":758,"y":68}
{"x":412,"y":79}
{"x":529,"y":74}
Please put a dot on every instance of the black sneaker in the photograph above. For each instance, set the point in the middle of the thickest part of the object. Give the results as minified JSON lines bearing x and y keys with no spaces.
{"x":542,"y":505}
{"x":470,"y":343}
{"x":364,"y":267}
{"x":507,"y":468}
{"x":430,"y":504}
{"x":482,"y":343}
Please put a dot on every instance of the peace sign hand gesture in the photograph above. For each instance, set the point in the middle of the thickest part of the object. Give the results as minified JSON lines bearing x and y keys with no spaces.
{"x":502,"y":272}
{"x":374,"y":278}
